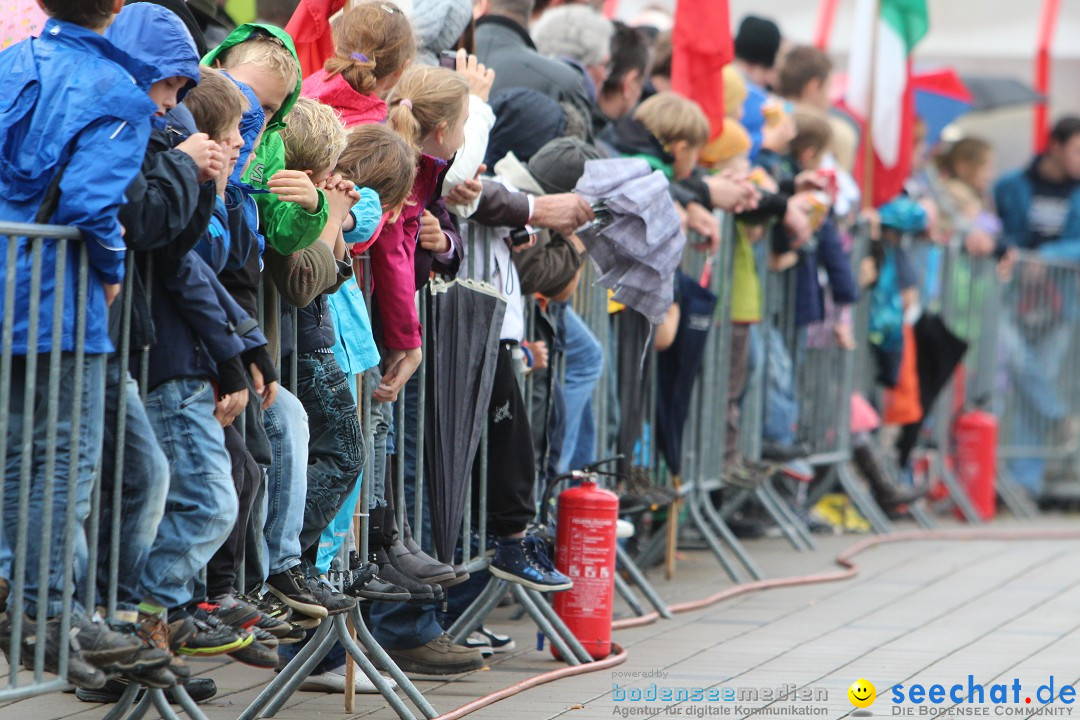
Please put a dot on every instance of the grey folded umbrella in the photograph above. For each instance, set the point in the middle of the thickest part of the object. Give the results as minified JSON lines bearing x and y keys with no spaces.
{"x":996,"y":92}
{"x":462,"y":341}
{"x":638,"y":243}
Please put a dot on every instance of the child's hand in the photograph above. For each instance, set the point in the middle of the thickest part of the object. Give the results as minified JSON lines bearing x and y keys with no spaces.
{"x":230,"y":407}
{"x":480,"y":78}
{"x":704,"y":223}
{"x":207,"y":155}
{"x":111,"y":293}
{"x":469,"y":191}
{"x":400,"y":366}
{"x":539,"y":352}
{"x":296,"y":187}
{"x":268,"y":391}
{"x":845,"y":337}
{"x":431,"y":235}
{"x":340,"y":202}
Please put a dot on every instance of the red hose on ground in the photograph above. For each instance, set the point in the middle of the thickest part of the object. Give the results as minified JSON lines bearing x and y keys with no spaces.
{"x":844,"y":560}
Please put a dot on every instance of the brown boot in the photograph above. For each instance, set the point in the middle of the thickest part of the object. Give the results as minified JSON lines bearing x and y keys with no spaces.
{"x":439,"y":656}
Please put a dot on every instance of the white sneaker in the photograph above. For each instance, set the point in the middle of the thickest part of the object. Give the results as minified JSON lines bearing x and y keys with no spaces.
{"x":334,"y":682}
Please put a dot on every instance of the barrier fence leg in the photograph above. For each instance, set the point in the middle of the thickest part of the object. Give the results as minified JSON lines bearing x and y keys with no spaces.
{"x":714,"y":544}
{"x":127,"y":699}
{"x":919,"y":513}
{"x":382,"y":659}
{"x":342,"y":630}
{"x":627,"y":594}
{"x":795,"y":521}
{"x":1014,"y":497}
{"x":956,"y":492}
{"x":862,"y":500}
{"x":733,"y":542}
{"x":624,"y":560}
{"x":556,"y":630}
{"x":778,"y":516}
{"x":481,"y":607}
{"x":296,"y":666}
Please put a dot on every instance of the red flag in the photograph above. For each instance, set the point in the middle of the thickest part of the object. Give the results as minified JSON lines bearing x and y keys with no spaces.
{"x":701,"y":47}
{"x":888,"y":180}
{"x":310,"y":30}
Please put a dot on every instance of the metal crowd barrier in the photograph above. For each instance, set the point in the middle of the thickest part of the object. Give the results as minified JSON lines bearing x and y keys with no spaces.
{"x":1037,"y":391}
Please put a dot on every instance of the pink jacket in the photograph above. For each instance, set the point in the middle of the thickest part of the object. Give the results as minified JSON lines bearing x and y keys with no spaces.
{"x":355,"y":108}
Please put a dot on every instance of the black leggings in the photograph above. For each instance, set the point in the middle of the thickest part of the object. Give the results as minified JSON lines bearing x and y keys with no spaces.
{"x":511,"y":469}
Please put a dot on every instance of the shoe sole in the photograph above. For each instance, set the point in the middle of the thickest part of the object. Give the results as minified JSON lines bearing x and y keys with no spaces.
{"x":510,"y":577}
{"x":309,"y":623}
{"x":384,"y":597}
{"x":219,"y":650}
{"x":269,"y":662}
{"x":315,"y":611}
{"x":421,"y":668}
{"x":456,"y":580}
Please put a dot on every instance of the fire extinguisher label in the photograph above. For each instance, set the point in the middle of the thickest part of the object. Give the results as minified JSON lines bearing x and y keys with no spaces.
{"x":593,"y":556}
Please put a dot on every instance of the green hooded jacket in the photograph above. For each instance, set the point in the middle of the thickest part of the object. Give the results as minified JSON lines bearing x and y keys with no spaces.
{"x":287,"y":226}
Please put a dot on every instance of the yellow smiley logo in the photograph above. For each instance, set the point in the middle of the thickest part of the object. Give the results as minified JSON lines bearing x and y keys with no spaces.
{"x":862,"y":693}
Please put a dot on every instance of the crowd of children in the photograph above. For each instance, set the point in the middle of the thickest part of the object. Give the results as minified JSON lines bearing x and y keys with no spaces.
{"x":224,"y":200}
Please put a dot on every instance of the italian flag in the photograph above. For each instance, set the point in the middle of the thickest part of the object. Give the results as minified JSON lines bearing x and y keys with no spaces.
{"x":899,"y":25}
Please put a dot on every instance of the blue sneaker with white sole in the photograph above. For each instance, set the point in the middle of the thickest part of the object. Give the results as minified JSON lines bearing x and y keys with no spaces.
{"x":525,"y":561}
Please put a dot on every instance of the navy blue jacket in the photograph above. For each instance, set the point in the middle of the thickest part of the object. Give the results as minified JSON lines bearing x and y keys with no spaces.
{"x":198,"y":326}
{"x":829,"y":253}
{"x":74,"y":114}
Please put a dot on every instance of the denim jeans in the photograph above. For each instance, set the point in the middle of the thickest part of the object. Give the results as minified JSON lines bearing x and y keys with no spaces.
{"x":382,"y":418}
{"x":286,"y":424}
{"x":584,"y":366}
{"x":401,"y":626}
{"x":336,"y":448}
{"x":80,"y":453}
{"x":144,"y":487}
{"x":202,"y":504}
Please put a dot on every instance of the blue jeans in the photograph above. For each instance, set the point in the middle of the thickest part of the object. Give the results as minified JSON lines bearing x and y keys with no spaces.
{"x":584,"y":366}
{"x":202,"y":505}
{"x":382,"y":419}
{"x":144,"y":487}
{"x":79,"y":453}
{"x":336,"y":448}
{"x":286,"y":425}
{"x":400,"y":626}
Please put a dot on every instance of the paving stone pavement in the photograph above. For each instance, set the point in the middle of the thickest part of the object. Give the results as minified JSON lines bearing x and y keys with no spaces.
{"x":916,"y":613}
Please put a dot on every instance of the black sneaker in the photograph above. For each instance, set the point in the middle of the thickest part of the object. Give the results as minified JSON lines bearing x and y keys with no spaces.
{"x":257,"y":655}
{"x":148,"y":660}
{"x":334,"y":602}
{"x":199,"y":689}
{"x":291,"y":588}
{"x":232,"y":612}
{"x":113,"y":651}
{"x":489,"y":642}
{"x":277,"y":624}
{"x":81,"y":673}
{"x":211,"y":637}
{"x":524,"y":561}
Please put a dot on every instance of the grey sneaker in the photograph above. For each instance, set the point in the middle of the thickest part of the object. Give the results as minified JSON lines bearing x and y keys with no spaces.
{"x":80,"y":672}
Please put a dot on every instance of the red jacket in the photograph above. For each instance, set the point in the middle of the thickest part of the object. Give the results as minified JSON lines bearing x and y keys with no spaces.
{"x":393,"y":258}
{"x":355,"y":108}
{"x":310,"y":31}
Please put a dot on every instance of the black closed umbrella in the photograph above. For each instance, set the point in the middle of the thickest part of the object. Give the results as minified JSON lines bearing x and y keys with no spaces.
{"x":677,"y":367}
{"x":938,"y":352}
{"x":464,"y":323}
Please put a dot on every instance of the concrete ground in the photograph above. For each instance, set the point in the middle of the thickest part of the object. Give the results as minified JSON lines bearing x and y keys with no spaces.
{"x":916,"y":613}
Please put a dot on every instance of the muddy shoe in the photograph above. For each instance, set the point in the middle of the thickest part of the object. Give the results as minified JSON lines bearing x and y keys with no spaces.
{"x":439,"y":656}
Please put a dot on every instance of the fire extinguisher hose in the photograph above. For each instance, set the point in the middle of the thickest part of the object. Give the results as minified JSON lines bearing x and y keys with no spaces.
{"x":848,"y":570}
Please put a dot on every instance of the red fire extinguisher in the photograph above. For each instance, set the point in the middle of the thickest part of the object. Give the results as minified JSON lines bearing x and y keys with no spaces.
{"x":975,"y":437}
{"x":585,"y":551}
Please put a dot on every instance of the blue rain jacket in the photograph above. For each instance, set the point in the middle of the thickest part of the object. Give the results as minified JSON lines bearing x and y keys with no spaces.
{"x":74,"y":118}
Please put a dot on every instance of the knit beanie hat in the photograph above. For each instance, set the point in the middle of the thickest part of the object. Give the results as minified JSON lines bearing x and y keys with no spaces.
{"x":757,"y":41}
{"x":729,"y":144}
{"x":439,"y":23}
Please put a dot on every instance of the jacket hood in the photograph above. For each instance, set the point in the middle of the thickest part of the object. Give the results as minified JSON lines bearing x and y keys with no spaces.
{"x":244,"y":32}
{"x":251,"y":124}
{"x":184,"y":13}
{"x":158,"y":37}
{"x":355,"y":108}
{"x":67,"y":67}
{"x":630,"y":137}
